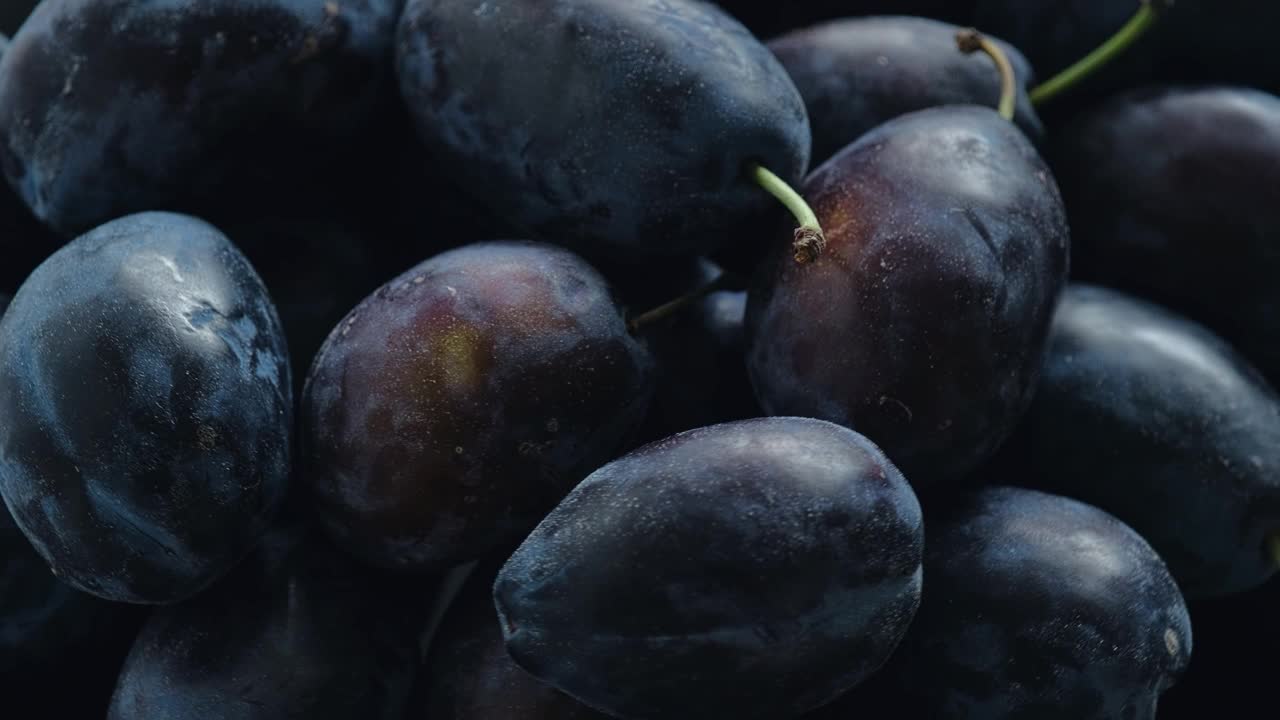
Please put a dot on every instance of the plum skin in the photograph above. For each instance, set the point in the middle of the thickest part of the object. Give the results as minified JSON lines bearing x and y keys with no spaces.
{"x":1158,"y":421}
{"x":110,"y":107}
{"x":458,"y":403}
{"x":857,"y":73}
{"x":1040,"y":607}
{"x":145,"y":386}
{"x":775,"y":560}
{"x":923,"y":323}
{"x":621,"y":129}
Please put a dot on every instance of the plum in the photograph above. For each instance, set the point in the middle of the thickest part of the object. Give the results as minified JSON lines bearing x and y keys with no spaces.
{"x":145,"y":391}
{"x":858,"y":73}
{"x":110,"y":107}
{"x":1154,"y":419}
{"x":753,"y":569}
{"x":297,"y":631}
{"x":1172,"y":192}
{"x":627,"y":127}
{"x":453,"y":407}
{"x":1038,"y":606}
{"x":922,"y":323}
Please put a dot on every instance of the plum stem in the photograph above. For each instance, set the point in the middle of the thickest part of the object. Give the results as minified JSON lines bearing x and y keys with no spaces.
{"x":723,"y":281}
{"x":809,"y":240}
{"x":971,"y":41}
{"x":1273,"y":547}
{"x":1137,"y":26}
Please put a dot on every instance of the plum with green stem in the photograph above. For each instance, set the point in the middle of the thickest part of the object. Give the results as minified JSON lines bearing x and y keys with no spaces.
{"x":921,"y":323}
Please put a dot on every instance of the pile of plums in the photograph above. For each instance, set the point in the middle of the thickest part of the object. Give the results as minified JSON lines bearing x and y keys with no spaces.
{"x":640,"y":359}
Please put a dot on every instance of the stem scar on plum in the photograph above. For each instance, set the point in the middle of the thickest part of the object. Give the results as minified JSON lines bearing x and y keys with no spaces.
{"x":807,"y":246}
{"x":970,"y":41}
{"x":1148,"y":12}
{"x":809,"y":239}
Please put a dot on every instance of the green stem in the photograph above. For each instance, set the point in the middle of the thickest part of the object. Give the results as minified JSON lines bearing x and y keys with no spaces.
{"x":809,"y":240}
{"x":723,"y":281}
{"x":1273,"y":547}
{"x":971,"y":41}
{"x":1099,"y":58}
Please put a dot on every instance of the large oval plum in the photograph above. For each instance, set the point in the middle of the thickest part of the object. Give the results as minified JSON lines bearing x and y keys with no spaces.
{"x":451,"y":409}
{"x":144,"y":386}
{"x":754,"y":569}
{"x":1154,"y":419}
{"x":1042,"y":607}
{"x":922,"y":325}
{"x":109,"y":107}
{"x":623,"y":126}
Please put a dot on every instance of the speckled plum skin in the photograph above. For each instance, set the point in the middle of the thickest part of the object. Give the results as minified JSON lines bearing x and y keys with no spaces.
{"x":298,"y":631}
{"x":858,"y":73}
{"x":753,"y":569}
{"x":109,"y":107}
{"x":1172,"y":194}
{"x":1154,"y":419}
{"x":451,"y":409}
{"x":144,"y":383}
{"x":1040,"y":607}
{"x":468,"y":673}
{"x":615,"y":127}
{"x":922,"y":325}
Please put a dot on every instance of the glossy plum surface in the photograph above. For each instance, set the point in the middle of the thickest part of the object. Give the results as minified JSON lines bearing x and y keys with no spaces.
{"x":453,"y":407}
{"x":298,"y":631}
{"x":1174,"y":194}
{"x":144,"y":386}
{"x":922,"y":324}
{"x":857,"y":73}
{"x":753,"y":569}
{"x":1154,"y":419}
{"x":109,"y":107}
{"x":1037,"y":606}
{"x":611,"y":126}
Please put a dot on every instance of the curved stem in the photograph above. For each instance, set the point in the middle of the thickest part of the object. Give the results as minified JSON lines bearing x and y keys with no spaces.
{"x":809,"y":241}
{"x":1099,"y":58}
{"x":971,"y":41}
{"x":1273,"y":547}
{"x":723,"y":281}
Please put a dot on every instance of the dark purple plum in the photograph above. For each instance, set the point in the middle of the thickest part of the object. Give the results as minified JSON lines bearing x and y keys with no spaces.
{"x":109,"y":107}
{"x":468,"y":674}
{"x":1154,"y":419}
{"x":145,"y":391}
{"x":922,"y":324}
{"x":452,"y":408}
{"x":626,"y":127}
{"x":858,"y":73}
{"x":1174,"y":195}
{"x":753,"y":569}
{"x":1038,"y":606}
{"x":298,"y":631}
